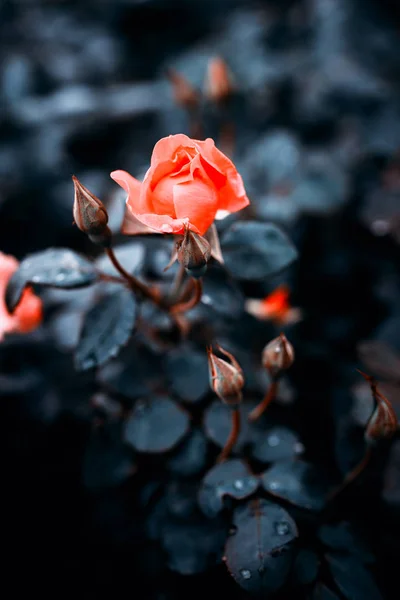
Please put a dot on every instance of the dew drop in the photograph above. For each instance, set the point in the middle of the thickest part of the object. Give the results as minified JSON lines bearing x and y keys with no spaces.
{"x":36,"y":279}
{"x":238,"y":484}
{"x":60,"y":277}
{"x":282,"y":528}
{"x":273,"y":485}
{"x":245,"y":573}
{"x":299,"y":448}
{"x":273,"y":440}
{"x":206,"y":299}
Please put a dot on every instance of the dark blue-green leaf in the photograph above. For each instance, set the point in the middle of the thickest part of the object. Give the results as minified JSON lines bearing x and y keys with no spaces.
{"x":55,"y":267}
{"x":297,"y":482}
{"x":191,"y":456}
{"x":277,"y":443}
{"x":218,"y":425}
{"x":156,"y":425}
{"x":305,"y":568}
{"x":229,"y":479}
{"x":106,"y":328}
{"x":352,"y":578}
{"x":259,"y":552}
{"x":187,"y":373}
{"x":253,"y":250}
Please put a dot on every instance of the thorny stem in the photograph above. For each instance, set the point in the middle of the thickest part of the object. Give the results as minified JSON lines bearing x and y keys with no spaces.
{"x":261,"y":408}
{"x":193,"y":301}
{"x":231,"y":441}
{"x":354,"y":473}
{"x":135,"y":284}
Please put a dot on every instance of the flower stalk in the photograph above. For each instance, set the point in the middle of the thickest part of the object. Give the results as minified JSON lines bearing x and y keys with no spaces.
{"x":381,"y":425}
{"x":277,"y":357}
{"x":233,"y":436}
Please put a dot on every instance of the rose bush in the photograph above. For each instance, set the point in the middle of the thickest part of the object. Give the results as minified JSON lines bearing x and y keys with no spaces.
{"x":28,"y":314}
{"x":187,"y":183}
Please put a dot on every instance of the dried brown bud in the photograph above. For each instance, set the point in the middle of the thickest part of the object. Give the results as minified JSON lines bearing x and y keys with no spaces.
{"x":193,"y":253}
{"x":226,"y":379}
{"x":90,"y":214}
{"x":218,"y":81}
{"x":278,"y":355}
{"x":383,"y":421}
{"x":184,"y":93}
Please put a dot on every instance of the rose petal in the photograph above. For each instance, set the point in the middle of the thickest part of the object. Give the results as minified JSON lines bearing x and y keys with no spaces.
{"x":231,"y":196}
{"x":133,"y":188}
{"x":132,"y":226}
{"x":196,"y":201}
{"x":168,"y":146}
{"x":28,"y":315}
{"x":164,"y":223}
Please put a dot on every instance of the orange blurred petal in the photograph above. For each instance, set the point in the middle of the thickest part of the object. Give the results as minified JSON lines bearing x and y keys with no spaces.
{"x":275,"y":307}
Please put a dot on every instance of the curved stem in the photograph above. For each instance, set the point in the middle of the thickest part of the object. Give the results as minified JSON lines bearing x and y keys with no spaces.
{"x":354,"y":473}
{"x":192,"y":302}
{"x":231,"y":441}
{"x":112,"y":278}
{"x":176,"y":287}
{"x":135,"y":284}
{"x":261,"y":408}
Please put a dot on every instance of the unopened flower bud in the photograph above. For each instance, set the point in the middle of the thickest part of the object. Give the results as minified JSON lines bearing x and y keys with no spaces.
{"x":226,"y":379}
{"x":90,"y":214}
{"x":218,"y":81}
{"x":184,"y":93}
{"x":383,"y":422}
{"x":193,"y":253}
{"x":278,"y":356}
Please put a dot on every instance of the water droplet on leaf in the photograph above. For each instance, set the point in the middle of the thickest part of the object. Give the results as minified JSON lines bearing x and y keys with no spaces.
{"x":273,"y":440}
{"x":282,"y":528}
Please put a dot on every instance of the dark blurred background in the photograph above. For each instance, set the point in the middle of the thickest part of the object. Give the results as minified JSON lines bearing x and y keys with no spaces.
{"x":83,"y":90}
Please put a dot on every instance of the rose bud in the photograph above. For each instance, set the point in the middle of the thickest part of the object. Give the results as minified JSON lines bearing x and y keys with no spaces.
{"x":278,"y":356}
{"x":184,"y":93}
{"x":226,"y":379}
{"x":90,"y":214}
{"x":382,"y":424}
{"x":218,"y":81}
{"x":383,"y":421}
{"x":193,"y":253}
